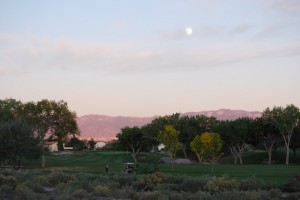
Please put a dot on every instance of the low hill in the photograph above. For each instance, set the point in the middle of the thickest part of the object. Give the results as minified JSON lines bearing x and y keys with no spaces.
{"x":102,"y":127}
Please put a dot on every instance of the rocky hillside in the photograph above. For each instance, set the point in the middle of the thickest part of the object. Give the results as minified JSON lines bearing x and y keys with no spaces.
{"x":103,"y":127}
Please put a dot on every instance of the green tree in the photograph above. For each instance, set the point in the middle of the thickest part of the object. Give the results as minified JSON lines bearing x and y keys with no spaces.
{"x":235,"y":135}
{"x":39,"y":115}
{"x":91,"y":144}
{"x":132,"y":138}
{"x":18,"y":141}
{"x":152,"y":129}
{"x":211,"y":145}
{"x":295,"y":141}
{"x":50,"y":118}
{"x":190,"y":126}
{"x":285,"y":119}
{"x":63,"y":122}
{"x":169,"y":137}
{"x":267,"y":134}
{"x":197,"y":147}
{"x":76,"y":143}
{"x":10,"y":109}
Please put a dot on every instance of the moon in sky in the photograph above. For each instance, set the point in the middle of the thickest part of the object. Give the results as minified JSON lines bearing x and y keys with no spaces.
{"x":188,"y":31}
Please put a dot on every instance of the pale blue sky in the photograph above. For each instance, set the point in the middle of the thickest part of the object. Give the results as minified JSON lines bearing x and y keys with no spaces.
{"x":133,"y":58}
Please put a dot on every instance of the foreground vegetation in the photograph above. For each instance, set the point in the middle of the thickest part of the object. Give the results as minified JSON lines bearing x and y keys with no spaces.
{"x":81,"y":175}
{"x":60,"y":185}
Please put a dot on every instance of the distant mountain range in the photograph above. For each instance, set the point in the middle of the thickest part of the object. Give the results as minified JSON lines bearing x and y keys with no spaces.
{"x":101,"y":127}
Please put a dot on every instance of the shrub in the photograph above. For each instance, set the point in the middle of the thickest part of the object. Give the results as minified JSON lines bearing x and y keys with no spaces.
{"x":9,"y":182}
{"x":101,"y":190}
{"x":201,"y":195}
{"x":148,"y":182}
{"x":257,"y":195}
{"x":275,"y":194}
{"x":231,"y":195}
{"x":124,"y":193}
{"x":168,"y":187}
{"x":189,"y":184}
{"x":114,"y":185}
{"x":41,"y":180}
{"x":222,"y":184}
{"x":35,"y":186}
{"x":55,"y":178}
{"x":176,"y":196}
{"x":293,"y":185}
{"x":80,"y":193}
{"x":24,"y":192}
{"x":255,"y":184}
{"x":6,"y":189}
{"x":125,"y":180}
{"x":148,"y":196}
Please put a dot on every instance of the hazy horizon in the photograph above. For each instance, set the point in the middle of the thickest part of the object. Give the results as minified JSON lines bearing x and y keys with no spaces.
{"x":147,"y":58}
{"x":168,"y":113}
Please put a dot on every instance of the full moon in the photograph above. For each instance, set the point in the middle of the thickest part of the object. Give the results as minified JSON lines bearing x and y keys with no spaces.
{"x":188,"y":31}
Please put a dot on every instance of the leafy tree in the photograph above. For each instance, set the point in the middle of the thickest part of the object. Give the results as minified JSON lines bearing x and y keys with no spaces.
{"x":197,"y":147}
{"x":63,"y":122}
{"x":39,"y":115}
{"x":285,"y":119}
{"x":18,"y":141}
{"x":76,"y":143}
{"x":190,"y":126}
{"x":266,"y":133}
{"x":91,"y":144}
{"x":211,"y":145}
{"x":188,"y":129}
{"x":152,"y":129}
{"x":169,"y":137}
{"x":295,"y":140}
{"x":48,"y":118}
{"x":10,"y":109}
{"x":132,"y":138}
{"x":236,"y":135}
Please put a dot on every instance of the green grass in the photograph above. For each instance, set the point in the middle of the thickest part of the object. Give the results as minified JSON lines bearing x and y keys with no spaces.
{"x":95,"y":161}
{"x":270,"y":173}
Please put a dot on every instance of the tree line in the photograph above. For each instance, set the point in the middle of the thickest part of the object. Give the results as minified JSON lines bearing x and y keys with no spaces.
{"x":206,"y":137}
{"x":24,"y":128}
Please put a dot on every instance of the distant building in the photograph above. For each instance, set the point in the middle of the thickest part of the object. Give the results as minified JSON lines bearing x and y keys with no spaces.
{"x":100,"y":145}
{"x":51,"y":146}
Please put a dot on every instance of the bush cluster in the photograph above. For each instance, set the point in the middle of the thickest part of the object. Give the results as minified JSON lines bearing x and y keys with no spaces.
{"x":221,"y":184}
{"x":293,"y":185}
{"x":61,"y":185}
{"x":8,"y":183}
{"x":149,"y":181}
{"x":101,"y":190}
{"x":56,"y":178}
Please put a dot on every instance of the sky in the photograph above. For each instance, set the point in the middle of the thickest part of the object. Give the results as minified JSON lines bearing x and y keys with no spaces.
{"x":134,"y":58}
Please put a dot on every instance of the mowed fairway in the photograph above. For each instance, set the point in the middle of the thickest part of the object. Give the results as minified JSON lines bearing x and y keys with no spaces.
{"x":95,"y":161}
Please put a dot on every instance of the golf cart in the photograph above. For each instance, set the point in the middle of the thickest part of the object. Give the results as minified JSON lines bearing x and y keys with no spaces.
{"x":129,"y":168}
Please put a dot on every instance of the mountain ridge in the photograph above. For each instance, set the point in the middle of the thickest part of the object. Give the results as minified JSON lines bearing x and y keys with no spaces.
{"x":104,"y":127}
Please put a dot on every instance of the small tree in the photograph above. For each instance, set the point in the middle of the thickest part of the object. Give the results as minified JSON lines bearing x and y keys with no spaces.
{"x":169,"y":137}
{"x":91,"y":144}
{"x":76,"y":143}
{"x":197,"y":147}
{"x":211,"y":144}
{"x":265,"y":133}
{"x":132,"y":138}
